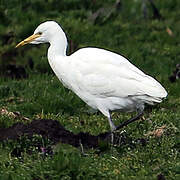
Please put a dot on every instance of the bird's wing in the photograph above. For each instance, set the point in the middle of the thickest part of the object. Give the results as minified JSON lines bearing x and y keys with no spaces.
{"x":106,"y":74}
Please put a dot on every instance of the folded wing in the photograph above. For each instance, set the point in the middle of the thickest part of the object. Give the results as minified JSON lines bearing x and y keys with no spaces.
{"x":105,"y":74}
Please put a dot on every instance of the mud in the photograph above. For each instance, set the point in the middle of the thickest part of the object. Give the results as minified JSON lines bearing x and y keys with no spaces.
{"x":52,"y":130}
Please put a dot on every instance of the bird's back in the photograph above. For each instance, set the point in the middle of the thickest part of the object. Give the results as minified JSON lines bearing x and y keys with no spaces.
{"x":101,"y":74}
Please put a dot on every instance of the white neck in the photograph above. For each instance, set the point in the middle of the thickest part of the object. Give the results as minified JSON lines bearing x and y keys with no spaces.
{"x":58,"y":45}
{"x":57,"y":56}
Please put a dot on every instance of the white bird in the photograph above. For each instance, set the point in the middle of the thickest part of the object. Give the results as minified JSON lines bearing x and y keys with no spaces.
{"x":104,"y":80}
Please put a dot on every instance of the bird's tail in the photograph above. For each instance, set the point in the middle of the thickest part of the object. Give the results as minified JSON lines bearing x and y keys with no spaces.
{"x":154,"y":92}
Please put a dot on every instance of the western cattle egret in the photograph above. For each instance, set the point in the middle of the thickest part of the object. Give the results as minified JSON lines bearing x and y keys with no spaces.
{"x":104,"y":80}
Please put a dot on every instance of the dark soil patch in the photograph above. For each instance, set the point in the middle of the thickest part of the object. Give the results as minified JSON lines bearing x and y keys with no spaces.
{"x":52,"y":130}
{"x":55,"y":132}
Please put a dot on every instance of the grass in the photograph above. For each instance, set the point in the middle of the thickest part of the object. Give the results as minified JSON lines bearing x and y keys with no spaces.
{"x":144,"y":41}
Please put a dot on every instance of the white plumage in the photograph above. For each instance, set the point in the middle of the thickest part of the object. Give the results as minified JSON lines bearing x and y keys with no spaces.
{"x":104,"y":80}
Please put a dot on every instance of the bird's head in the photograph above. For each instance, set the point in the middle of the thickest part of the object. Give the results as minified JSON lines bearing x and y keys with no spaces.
{"x":44,"y":33}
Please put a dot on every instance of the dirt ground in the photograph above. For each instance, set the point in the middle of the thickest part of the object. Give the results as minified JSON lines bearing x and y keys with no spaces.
{"x":56,"y":133}
{"x":53,"y":130}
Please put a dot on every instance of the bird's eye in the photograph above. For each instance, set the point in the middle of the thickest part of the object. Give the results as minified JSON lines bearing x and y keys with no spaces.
{"x":39,"y":33}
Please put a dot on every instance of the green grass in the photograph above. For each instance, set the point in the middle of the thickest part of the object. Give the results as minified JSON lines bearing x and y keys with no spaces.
{"x":144,"y":41}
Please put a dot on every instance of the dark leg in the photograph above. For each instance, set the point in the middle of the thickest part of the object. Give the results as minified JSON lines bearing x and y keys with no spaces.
{"x":110,"y":133}
{"x":129,"y":121}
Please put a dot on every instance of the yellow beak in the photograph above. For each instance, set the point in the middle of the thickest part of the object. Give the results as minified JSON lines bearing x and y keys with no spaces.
{"x":28,"y":40}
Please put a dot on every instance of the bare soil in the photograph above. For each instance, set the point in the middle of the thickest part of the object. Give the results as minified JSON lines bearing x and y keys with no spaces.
{"x":52,"y":130}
